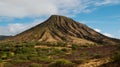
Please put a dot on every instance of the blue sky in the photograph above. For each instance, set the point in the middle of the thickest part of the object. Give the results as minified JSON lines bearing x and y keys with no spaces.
{"x":101,"y":15}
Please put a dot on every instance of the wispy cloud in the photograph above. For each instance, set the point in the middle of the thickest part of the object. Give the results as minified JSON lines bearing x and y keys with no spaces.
{"x":10,"y":9}
{"x":35,"y":8}
{"x":15,"y":28}
{"x":106,"y":2}
{"x":104,"y":33}
{"x":98,"y":30}
{"x":108,"y":34}
{"x":6,"y":19}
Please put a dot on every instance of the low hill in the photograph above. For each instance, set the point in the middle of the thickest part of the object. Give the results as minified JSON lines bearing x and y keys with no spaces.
{"x":2,"y":37}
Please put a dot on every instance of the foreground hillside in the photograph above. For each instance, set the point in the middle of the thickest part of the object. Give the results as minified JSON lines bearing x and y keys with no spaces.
{"x":61,"y":55}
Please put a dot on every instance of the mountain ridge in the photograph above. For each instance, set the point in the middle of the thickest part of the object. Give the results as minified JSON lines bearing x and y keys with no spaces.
{"x":62,"y":29}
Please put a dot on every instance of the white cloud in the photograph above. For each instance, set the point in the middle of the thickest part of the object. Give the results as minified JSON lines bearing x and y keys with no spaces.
{"x":108,"y":34}
{"x":98,"y":30}
{"x":13,"y":29}
{"x":106,"y":2}
{"x":25,"y":8}
{"x":10,"y":9}
{"x":6,"y":19}
{"x":34,"y":8}
{"x":104,"y":33}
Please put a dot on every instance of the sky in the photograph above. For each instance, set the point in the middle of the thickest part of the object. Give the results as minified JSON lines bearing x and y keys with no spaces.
{"x":17,"y":16}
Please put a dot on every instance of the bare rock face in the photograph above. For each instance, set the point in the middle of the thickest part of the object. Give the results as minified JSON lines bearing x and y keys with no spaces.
{"x":63,"y":29}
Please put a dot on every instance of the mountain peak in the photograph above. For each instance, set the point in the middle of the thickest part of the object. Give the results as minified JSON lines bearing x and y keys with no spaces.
{"x":62,"y":29}
{"x":57,"y":16}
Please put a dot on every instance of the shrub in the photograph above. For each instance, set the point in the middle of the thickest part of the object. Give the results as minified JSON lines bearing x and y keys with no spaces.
{"x":84,"y":46}
{"x":62,"y":63}
{"x":116,"y":56}
{"x":39,"y":59}
{"x":18,"y":61}
{"x":8,"y":65}
{"x":10,"y":54}
{"x":80,"y":61}
{"x":118,"y":46}
{"x":74,"y":47}
{"x":62,"y":44}
{"x":96,"y":56}
{"x":35,"y":65}
{"x":55,"y":51}
{"x":64,"y":49}
{"x":25,"y":50}
{"x":21,"y":56}
{"x":0,"y":60}
{"x":3,"y":55}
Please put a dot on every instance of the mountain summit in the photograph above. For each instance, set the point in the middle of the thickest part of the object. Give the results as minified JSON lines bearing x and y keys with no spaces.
{"x":62,"y":29}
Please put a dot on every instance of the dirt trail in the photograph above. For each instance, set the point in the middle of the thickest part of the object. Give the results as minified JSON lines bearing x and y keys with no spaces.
{"x":95,"y":62}
{"x":42,"y":46}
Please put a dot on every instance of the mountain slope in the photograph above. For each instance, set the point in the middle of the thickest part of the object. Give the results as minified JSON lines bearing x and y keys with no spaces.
{"x":62,"y":29}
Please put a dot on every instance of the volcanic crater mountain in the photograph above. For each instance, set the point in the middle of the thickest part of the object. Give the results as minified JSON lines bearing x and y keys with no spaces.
{"x":62,"y":29}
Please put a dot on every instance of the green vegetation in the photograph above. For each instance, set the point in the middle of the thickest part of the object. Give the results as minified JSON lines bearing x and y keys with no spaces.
{"x":116,"y":56}
{"x":74,"y":46}
{"x":62,"y":63}
{"x":51,"y":54}
{"x":58,"y":44}
{"x":17,"y":53}
{"x":8,"y":65}
{"x":96,"y":55}
{"x":35,"y":65}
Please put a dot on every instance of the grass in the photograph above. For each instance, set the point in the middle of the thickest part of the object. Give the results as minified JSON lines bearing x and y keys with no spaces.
{"x":8,"y":64}
{"x":35,"y":65}
{"x":97,"y":55}
{"x":26,"y":53}
{"x":62,"y":63}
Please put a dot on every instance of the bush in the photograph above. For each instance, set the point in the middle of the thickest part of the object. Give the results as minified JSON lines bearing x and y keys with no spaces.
{"x":35,"y":65}
{"x":97,"y":56}
{"x":62,"y":44}
{"x":118,"y":46}
{"x":62,"y":63}
{"x":55,"y":51}
{"x":80,"y":61}
{"x":8,"y":65}
{"x":116,"y":56}
{"x":26,"y":50}
{"x":64,"y":49}
{"x":10,"y":54}
{"x":39,"y":59}
{"x":21,"y":57}
{"x":18,"y":61}
{"x":0,"y":60}
{"x":3,"y":55}
{"x":74,"y":47}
